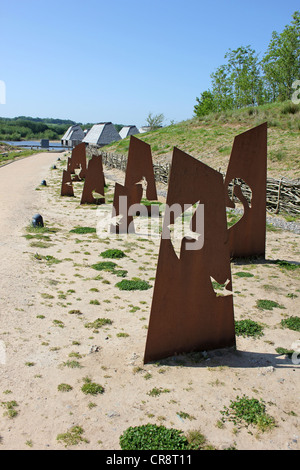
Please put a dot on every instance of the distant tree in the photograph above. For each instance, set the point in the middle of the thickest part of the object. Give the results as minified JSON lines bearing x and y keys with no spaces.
{"x":156,"y":121}
{"x":244,"y":73}
{"x":222,"y":89}
{"x":281,"y":62}
{"x":205,"y":104}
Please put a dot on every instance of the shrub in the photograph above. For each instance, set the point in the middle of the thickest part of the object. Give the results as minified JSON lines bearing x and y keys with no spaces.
{"x":133,"y":284}
{"x":113,"y":253}
{"x":248,"y":410}
{"x":91,"y":388}
{"x":153,"y":437}
{"x":98,"y":323}
{"x":267,"y":304}
{"x":248,"y":328}
{"x":83,"y":230}
{"x":293,"y":323}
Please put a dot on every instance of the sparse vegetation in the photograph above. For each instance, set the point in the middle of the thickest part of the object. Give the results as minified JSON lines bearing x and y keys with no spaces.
{"x":248,"y":411}
{"x":292,"y":323}
{"x":72,"y":437}
{"x":134,"y":284}
{"x":248,"y":328}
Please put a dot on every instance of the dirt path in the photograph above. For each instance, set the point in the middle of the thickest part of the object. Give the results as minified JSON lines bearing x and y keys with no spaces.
{"x":50,"y":295}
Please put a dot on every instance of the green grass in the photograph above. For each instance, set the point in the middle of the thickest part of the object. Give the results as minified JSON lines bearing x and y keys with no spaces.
{"x":153,"y":437}
{"x":292,"y":323}
{"x":133,"y":284}
{"x":249,"y":411}
{"x":248,"y":328}
{"x":113,"y":253}
{"x":11,"y":154}
{"x":81,"y":230}
{"x":109,"y":266}
{"x":210,"y":138}
{"x":243,"y":274}
{"x":91,"y":388}
{"x":264,"y":304}
{"x":72,"y":437}
{"x":287,"y":265}
{"x":98,"y":323}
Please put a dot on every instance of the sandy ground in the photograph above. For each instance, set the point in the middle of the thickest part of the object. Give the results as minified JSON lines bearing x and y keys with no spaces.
{"x":40,"y":339}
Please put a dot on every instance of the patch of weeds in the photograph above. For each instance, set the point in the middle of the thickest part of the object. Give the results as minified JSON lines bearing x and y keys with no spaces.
{"x":41,"y":316}
{"x":91,"y":388}
{"x":72,"y":437}
{"x":155,"y":392}
{"x":184,"y":415}
{"x":113,"y":253}
{"x":58,"y":323}
{"x":287,"y":265}
{"x":243,"y":274}
{"x":152,"y":437}
{"x":133,"y":284}
{"x":72,"y":364}
{"x":197,"y":441}
{"x":105,"y":266}
{"x":83,"y":230}
{"x":109,"y":266}
{"x":248,"y":328}
{"x":250,"y":411}
{"x":48,"y":258}
{"x":264,"y":304}
{"x":122,"y":335}
{"x":98,"y":323}
{"x":284,"y":352}
{"x":292,"y":323}
{"x":10,"y":406}
{"x":94,"y":302}
{"x":64,"y":387}
{"x":75,"y":312}
{"x":291,"y":296}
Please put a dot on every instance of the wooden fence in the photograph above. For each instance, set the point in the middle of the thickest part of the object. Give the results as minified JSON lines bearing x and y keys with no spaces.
{"x":283,"y":195}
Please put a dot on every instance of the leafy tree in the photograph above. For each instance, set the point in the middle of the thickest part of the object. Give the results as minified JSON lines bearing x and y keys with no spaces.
{"x":281,"y":62}
{"x":156,"y":121}
{"x":245,"y":76}
{"x":205,"y":104}
{"x":222,"y":89}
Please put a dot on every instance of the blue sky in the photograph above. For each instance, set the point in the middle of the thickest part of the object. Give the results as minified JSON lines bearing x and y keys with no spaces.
{"x":96,"y":60}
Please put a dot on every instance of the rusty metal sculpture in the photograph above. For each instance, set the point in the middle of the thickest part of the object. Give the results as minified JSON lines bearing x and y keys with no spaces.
{"x":66,"y":185}
{"x":248,"y":161}
{"x":140,"y":167}
{"x":124,"y":199}
{"x":93,"y":189}
{"x":78,"y":161}
{"x":139,"y":177}
{"x":186,"y":313}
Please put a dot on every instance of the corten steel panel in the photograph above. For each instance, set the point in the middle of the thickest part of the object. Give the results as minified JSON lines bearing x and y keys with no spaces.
{"x":248,"y":161}
{"x":66,"y":185}
{"x":186,"y":314}
{"x":94,"y":181}
{"x":139,"y":166}
{"x":78,"y":160}
{"x":129,"y":196}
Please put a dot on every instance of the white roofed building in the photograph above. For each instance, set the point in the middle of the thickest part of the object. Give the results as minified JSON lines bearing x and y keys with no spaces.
{"x":102,"y":134}
{"x":128,"y":130}
{"x":73,"y":136}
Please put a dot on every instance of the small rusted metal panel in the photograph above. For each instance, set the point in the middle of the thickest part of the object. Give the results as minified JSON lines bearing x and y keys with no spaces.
{"x":124,"y":198}
{"x":66,"y":185}
{"x":78,"y":161}
{"x":248,"y":161}
{"x":186,"y":313}
{"x":94,"y":182}
{"x":140,"y":166}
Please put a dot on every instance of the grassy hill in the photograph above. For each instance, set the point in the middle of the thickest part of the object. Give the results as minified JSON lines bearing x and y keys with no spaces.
{"x":210,"y":138}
